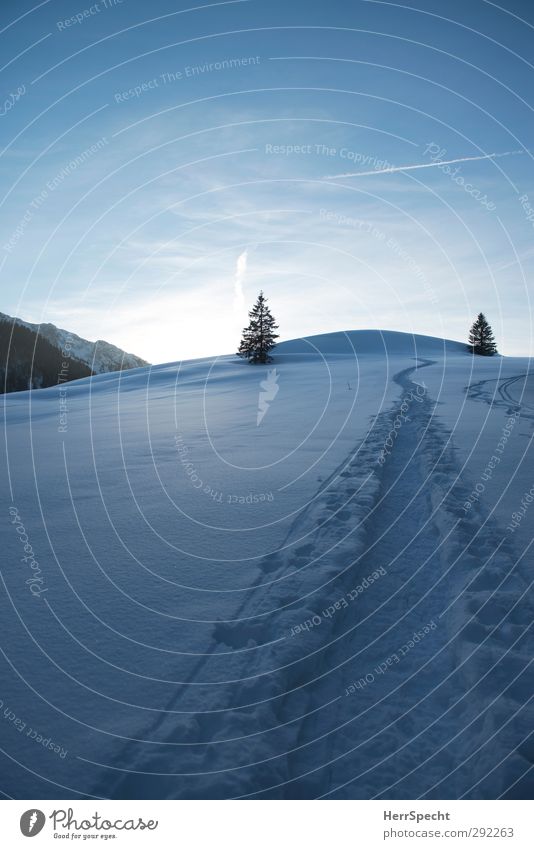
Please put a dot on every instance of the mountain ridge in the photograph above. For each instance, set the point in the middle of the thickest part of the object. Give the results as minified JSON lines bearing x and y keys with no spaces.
{"x":36,"y":356}
{"x":100,"y":356}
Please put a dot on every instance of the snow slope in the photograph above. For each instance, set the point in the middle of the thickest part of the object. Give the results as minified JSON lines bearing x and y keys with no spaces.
{"x":100,"y":356}
{"x":333,"y":602}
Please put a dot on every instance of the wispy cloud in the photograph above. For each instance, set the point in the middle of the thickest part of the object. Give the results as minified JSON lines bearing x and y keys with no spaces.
{"x":435,"y":164}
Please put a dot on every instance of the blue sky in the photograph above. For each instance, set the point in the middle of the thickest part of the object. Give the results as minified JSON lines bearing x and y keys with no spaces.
{"x":162,"y":163}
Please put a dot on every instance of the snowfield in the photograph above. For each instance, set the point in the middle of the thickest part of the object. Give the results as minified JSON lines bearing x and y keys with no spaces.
{"x":308,"y":579}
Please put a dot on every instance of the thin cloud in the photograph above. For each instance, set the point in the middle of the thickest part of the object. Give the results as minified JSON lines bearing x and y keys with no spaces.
{"x":436,"y":164}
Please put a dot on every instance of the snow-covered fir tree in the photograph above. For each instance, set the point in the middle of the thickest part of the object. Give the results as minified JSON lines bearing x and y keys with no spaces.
{"x":481,"y":339}
{"x":259,"y":337}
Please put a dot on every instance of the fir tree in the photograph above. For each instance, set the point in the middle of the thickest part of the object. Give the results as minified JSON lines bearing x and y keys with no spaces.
{"x":259,"y":337}
{"x":481,"y":339}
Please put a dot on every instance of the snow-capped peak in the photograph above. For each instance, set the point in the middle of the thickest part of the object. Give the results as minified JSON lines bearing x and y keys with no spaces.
{"x":99,"y":356}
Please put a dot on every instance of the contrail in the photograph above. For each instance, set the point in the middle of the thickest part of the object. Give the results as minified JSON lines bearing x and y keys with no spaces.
{"x":240,"y":271}
{"x":435,"y":164}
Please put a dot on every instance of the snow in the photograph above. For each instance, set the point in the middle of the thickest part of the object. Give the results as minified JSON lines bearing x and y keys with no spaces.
{"x":100,"y":356}
{"x":232,"y":577}
{"x":384,"y":342}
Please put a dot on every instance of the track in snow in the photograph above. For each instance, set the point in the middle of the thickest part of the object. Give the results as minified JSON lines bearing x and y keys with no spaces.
{"x":422,"y":719}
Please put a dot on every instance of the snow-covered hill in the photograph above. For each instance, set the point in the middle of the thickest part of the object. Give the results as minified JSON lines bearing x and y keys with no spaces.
{"x":306,"y":579}
{"x":100,"y":356}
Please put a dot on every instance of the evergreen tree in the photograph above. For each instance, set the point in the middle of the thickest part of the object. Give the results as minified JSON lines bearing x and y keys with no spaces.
{"x":481,"y":339}
{"x":259,"y":337}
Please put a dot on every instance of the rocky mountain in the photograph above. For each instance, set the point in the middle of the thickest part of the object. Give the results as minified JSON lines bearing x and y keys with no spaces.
{"x":33,"y":356}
